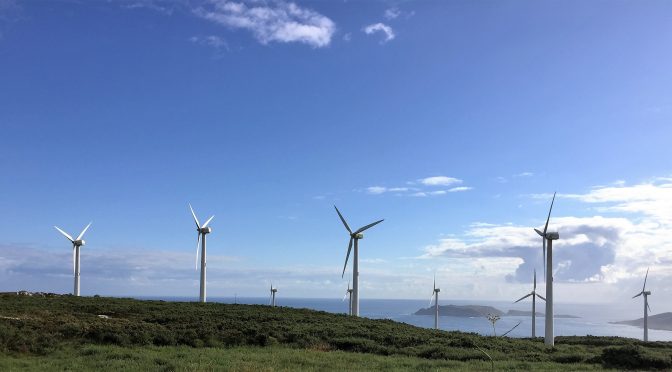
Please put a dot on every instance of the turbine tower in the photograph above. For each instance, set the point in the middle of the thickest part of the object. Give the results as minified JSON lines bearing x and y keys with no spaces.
{"x":271,"y":300}
{"x":348,"y":294}
{"x":547,"y":238}
{"x":646,"y":306}
{"x":534,"y":304}
{"x":76,"y":244}
{"x":354,"y":236}
{"x":200,"y":239}
{"x":435,"y":297}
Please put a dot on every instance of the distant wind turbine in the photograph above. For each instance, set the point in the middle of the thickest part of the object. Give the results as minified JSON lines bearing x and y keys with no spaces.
{"x":348,"y":295}
{"x":354,"y":236}
{"x":534,"y":304}
{"x":547,"y":238}
{"x":435,"y":297}
{"x":202,"y":232}
{"x":646,"y":306}
{"x":76,"y":244}
{"x":271,"y":299}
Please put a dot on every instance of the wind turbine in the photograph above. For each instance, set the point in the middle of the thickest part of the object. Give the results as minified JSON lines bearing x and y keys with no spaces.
{"x":547,"y":238}
{"x":534,"y":304}
{"x":76,"y":244}
{"x":348,"y":294}
{"x":646,"y":306}
{"x":271,"y":299}
{"x":354,"y":236}
{"x":435,"y":297}
{"x":202,"y":232}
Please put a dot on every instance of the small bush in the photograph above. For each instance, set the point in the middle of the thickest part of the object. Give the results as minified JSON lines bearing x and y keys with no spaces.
{"x":634,"y":357}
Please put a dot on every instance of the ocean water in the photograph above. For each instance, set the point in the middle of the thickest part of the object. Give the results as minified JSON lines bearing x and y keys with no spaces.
{"x":593,"y":319}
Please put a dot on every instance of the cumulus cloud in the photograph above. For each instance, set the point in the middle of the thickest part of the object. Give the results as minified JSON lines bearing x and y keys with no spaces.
{"x":376,"y":190}
{"x":380,"y":28}
{"x":276,"y":21}
{"x":605,"y":249}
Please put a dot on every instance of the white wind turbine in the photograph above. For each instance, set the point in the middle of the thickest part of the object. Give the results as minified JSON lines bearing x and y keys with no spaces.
{"x":646,"y":306}
{"x":76,"y":244}
{"x":547,"y":238}
{"x":534,"y":304}
{"x":271,"y":299}
{"x":354,"y":236}
{"x":202,"y":232}
{"x":348,"y":294}
{"x":435,"y":297}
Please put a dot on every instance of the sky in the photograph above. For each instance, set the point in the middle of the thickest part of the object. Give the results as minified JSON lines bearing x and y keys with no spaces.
{"x":455,"y":121}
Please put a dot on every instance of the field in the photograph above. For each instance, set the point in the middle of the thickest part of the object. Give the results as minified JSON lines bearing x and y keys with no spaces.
{"x":65,"y":332}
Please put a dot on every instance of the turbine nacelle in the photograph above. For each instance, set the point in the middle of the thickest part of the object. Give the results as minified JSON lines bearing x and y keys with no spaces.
{"x":646,"y":293}
{"x":437,"y":290}
{"x":552,"y":236}
{"x":79,"y":243}
{"x":357,"y":236}
{"x":204,"y":230}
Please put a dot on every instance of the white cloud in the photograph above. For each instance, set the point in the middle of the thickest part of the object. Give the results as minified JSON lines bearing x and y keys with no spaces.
{"x":460,"y":188}
{"x":380,"y":27}
{"x":524,"y":174}
{"x":439,"y":181}
{"x":376,"y":190}
{"x":392,"y":13}
{"x":276,"y":21}
{"x":613,"y":251}
{"x":211,"y":41}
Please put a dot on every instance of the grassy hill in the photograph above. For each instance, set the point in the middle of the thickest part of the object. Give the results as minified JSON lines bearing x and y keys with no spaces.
{"x":65,"y":332}
{"x":659,"y":321}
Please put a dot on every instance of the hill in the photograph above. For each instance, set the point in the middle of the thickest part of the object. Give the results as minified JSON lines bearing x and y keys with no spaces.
{"x":659,"y":321}
{"x":64,"y":332}
{"x":472,"y":311}
{"x":461,"y":310}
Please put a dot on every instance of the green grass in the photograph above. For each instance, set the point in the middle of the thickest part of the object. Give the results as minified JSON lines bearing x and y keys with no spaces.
{"x":247,"y":358}
{"x":49,"y":332}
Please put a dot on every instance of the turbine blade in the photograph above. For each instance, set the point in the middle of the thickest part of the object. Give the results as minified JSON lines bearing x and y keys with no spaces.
{"x":65,"y":234}
{"x":208,"y":221}
{"x":539,"y":232}
{"x":647,"y":305}
{"x":549,"y":214}
{"x":647,"y":275}
{"x":535,"y":279}
{"x":83,"y":231}
{"x":435,"y":281}
{"x":524,"y":297}
{"x":637,"y":295}
{"x":540,"y":296}
{"x":431,"y":298}
{"x":198,"y":242}
{"x":270,"y":299}
{"x":361,"y":229}
{"x":348,"y":286}
{"x":343,"y":220}
{"x":346,"y":257}
{"x":344,"y":297}
{"x":198,"y":225}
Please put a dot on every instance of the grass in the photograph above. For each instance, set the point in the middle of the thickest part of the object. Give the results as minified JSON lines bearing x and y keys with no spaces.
{"x":65,"y":332}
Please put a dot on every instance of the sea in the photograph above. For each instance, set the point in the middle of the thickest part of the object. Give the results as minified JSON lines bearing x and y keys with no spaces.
{"x":592,"y":319}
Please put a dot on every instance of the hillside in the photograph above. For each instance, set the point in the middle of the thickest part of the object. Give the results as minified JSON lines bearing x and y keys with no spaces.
{"x":45,"y":333}
{"x":659,"y":321}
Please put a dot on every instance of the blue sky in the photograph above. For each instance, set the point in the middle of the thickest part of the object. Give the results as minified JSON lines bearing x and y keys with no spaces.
{"x":453,"y":120}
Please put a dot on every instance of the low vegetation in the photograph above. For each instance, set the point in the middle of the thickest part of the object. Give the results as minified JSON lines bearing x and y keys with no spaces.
{"x":42,"y":332}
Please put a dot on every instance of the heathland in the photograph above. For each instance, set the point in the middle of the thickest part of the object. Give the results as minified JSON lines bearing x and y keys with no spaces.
{"x":48,"y":332}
